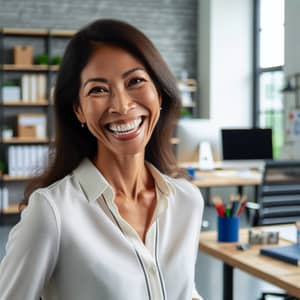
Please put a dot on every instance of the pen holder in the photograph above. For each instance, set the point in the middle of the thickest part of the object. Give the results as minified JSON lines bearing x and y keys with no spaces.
{"x":228,"y":229}
{"x":191,"y":172}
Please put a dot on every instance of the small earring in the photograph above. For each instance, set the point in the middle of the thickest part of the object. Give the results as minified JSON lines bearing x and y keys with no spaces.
{"x":82,"y":125}
{"x":160,"y":108}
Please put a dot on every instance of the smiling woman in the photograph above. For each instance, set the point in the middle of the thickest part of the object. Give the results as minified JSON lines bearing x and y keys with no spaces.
{"x":108,"y":219}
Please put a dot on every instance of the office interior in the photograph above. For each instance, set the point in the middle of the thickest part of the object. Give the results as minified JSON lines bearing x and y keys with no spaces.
{"x":209,"y":45}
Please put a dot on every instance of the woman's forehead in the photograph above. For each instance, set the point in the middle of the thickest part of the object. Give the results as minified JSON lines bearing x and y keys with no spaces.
{"x":110,"y":60}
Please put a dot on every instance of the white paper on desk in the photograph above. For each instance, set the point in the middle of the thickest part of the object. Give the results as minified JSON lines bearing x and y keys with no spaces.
{"x":287,"y":233}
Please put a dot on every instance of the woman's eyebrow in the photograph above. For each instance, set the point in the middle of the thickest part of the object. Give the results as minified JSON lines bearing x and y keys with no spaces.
{"x":97,"y":79}
{"x":103,"y":80}
{"x":125,"y":74}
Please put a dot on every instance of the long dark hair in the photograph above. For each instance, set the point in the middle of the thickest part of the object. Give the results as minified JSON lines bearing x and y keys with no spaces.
{"x":73,"y":143}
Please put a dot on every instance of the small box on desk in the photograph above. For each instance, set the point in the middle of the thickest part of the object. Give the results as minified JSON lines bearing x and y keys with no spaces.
{"x":23,"y":55}
{"x":31,"y":125}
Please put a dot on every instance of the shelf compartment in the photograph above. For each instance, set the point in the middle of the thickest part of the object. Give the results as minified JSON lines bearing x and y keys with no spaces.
{"x":62,"y":33}
{"x":22,"y":103}
{"x":11,"y":209}
{"x":53,"y":67}
{"x":25,"y":31}
{"x":6,"y":178}
{"x":25,"y":140}
{"x":13,"y":67}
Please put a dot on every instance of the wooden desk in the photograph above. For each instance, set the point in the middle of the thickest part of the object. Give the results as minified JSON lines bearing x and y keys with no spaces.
{"x":281,"y":274}
{"x":226,"y":178}
{"x":215,"y":178}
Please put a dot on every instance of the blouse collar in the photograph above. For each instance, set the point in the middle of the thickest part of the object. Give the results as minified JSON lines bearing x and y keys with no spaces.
{"x":94,"y":184}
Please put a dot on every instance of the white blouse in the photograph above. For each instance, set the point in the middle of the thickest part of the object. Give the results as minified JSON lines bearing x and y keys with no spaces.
{"x":72,"y":244}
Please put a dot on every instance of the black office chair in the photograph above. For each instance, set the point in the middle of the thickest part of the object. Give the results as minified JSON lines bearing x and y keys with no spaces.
{"x":279,"y":194}
{"x":278,"y":201}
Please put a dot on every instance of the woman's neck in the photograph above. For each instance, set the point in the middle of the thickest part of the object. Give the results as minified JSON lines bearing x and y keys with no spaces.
{"x":127,"y":174}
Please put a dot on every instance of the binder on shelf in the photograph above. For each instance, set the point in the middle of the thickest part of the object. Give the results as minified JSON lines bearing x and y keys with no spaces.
{"x":25,"y":88}
{"x":33,"y":88}
{"x":4,"y":203}
{"x":26,"y":160}
{"x":289,"y":254}
{"x":12,"y":161}
{"x":41,"y":87}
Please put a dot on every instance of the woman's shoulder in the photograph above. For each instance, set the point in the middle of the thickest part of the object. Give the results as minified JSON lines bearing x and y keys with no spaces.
{"x":184,"y":189}
{"x":182,"y":185}
{"x":59,"y":185}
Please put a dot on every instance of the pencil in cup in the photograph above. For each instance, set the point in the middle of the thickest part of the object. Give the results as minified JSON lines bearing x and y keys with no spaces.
{"x":242,"y":205}
{"x":218,"y":203}
{"x":233,"y":209}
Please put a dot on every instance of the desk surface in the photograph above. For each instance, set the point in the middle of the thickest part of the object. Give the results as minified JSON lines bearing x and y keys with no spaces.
{"x":216,"y":178}
{"x":281,"y":274}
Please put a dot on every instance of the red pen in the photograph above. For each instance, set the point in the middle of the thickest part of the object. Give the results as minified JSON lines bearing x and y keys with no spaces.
{"x":218,"y":203}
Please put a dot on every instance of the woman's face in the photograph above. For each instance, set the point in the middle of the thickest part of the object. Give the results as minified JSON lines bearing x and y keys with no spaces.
{"x":118,"y":101}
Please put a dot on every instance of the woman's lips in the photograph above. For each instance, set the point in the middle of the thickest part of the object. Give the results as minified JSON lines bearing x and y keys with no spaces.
{"x":126,"y":130}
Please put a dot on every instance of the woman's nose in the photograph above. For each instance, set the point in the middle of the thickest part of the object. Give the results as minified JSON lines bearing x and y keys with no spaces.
{"x":121,"y":103}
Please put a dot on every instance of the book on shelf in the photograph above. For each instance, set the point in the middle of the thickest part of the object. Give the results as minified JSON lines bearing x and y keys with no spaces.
{"x":26,"y":160}
{"x":33,"y":88}
{"x":4,"y":203}
{"x":289,"y":254}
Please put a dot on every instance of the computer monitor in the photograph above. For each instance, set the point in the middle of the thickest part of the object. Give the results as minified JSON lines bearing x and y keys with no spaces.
{"x":191,"y":132}
{"x":244,"y":144}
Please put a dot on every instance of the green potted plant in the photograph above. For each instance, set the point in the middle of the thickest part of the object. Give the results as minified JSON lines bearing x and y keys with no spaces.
{"x":42,"y":59}
{"x":56,"y":60}
{"x":1,"y":167}
{"x":185,"y":113}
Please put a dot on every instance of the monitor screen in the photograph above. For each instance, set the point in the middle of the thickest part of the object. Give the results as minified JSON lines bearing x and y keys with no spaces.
{"x":255,"y":143}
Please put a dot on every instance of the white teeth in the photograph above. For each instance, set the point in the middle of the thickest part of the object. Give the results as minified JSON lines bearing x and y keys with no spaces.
{"x":125,"y":128}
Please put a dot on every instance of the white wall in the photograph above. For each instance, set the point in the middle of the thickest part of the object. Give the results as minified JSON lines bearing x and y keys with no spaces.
{"x":292,"y":61}
{"x":292,"y":37}
{"x":225,"y":61}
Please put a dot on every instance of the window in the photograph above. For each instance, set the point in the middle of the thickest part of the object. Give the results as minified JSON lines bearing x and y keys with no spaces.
{"x":268,"y":69}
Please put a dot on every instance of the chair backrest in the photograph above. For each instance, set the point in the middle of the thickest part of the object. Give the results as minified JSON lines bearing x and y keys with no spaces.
{"x":279,"y":193}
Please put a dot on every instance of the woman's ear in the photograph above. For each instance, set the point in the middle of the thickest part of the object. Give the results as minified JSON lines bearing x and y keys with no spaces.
{"x":79,"y":113}
{"x":160,"y":100}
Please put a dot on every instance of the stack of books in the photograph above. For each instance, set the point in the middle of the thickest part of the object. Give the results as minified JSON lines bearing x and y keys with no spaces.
{"x":289,"y":254}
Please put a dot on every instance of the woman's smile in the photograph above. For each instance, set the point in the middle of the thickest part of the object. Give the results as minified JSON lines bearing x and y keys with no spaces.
{"x":126,"y":129}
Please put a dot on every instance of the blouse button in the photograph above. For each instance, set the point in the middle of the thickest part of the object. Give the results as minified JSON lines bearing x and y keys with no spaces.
{"x":153,"y":269}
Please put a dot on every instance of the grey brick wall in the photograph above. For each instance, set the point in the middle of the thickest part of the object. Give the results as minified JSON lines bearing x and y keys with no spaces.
{"x":171,"y":24}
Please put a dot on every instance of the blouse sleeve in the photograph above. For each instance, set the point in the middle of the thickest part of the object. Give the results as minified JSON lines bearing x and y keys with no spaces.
{"x":198,"y":195}
{"x":31,"y":251}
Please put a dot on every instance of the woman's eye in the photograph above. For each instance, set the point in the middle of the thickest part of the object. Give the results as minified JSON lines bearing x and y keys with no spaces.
{"x":135,"y":81}
{"x":97,"y":90}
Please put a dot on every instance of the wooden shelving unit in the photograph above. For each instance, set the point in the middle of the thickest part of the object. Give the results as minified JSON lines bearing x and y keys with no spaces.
{"x":61,"y":33}
{"x":11,"y":209}
{"x":42,"y":41}
{"x":31,"y":68}
{"x":8,"y":178}
{"x":25,"y":140}
{"x":188,"y":90}
{"x":22,"y":103}
{"x":24,"y":31}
